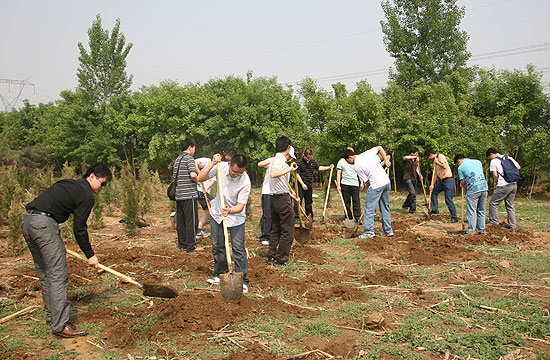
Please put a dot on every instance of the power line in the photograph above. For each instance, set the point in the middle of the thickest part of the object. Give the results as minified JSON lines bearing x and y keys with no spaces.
{"x":477,"y":57}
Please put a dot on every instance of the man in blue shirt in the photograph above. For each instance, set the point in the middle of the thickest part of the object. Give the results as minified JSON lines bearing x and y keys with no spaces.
{"x":470,"y":174}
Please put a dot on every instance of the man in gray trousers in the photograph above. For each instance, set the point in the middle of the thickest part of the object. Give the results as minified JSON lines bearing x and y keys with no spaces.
{"x":41,"y":232}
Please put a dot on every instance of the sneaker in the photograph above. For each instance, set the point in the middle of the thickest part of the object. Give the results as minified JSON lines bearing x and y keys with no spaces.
{"x":202,"y":233}
{"x":214,"y":281}
{"x":245,"y":289}
{"x":172,"y":214}
{"x":264,"y":242}
{"x":390,"y":234}
{"x":279,"y":264}
{"x":366,"y":236}
{"x":269,"y":260}
{"x":452,"y":221}
{"x":433,"y":212}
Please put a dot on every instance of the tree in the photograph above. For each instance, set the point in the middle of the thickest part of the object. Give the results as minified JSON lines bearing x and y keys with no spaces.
{"x":101,"y":73}
{"x":424,"y":38}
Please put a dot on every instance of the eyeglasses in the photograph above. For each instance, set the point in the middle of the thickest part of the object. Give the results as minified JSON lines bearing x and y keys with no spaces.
{"x":235,"y":174}
{"x":103,"y":183}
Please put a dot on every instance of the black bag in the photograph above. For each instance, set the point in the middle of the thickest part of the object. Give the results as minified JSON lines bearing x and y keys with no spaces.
{"x":171,"y":191}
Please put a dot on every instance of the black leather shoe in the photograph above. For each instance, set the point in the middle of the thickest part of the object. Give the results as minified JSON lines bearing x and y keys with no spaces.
{"x":70,"y":331}
{"x":433,"y":212}
{"x":452,"y":221}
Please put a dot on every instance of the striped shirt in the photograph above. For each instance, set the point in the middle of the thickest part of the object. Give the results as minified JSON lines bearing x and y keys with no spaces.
{"x":305,"y":169}
{"x":186,"y":188}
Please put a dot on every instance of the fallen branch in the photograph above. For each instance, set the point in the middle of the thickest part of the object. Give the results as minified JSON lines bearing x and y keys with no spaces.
{"x":466,"y":296}
{"x":377,"y":333}
{"x":316,"y":351}
{"x":30,"y":277}
{"x":535,"y":339}
{"x":94,"y":344}
{"x":26,"y":310}
{"x":237,"y":343}
{"x":81,"y":277}
{"x":301,"y":306}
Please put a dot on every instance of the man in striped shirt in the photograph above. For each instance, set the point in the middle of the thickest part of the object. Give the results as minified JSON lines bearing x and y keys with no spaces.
{"x":187,"y":217}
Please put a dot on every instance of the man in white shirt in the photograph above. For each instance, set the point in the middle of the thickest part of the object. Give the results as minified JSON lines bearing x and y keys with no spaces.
{"x":503,"y":190}
{"x":369,"y":168}
{"x":282,"y":214}
{"x":265,"y":222}
{"x":236,"y":190}
{"x":349,"y":184}
{"x":203,"y":192}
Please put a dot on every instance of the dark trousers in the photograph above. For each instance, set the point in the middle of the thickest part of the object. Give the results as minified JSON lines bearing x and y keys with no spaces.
{"x":412,"y":188}
{"x":308,"y":196}
{"x":351,"y":193}
{"x":282,"y":228}
{"x":265,"y":222}
{"x":48,"y":252}
{"x":187,"y":223}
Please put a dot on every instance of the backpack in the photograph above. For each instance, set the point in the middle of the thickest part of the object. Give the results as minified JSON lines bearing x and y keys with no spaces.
{"x":509,"y":169}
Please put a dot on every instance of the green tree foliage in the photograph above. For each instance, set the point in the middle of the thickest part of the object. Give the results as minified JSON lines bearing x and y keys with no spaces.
{"x":514,"y":103}
{"x":424,"y":38}
{"x":102,"y":70}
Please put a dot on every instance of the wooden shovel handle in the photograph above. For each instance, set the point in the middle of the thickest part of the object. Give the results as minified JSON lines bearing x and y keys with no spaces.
{"x":422,"y":182}
{"x":297,"y":203}
{"x":105,"y":268}
{"x":224,"y":220}
{"x":328,"y":192}
{"x":342,"y":198}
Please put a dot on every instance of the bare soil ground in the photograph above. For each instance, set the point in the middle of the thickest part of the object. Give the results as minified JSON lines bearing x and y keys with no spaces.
{"x":299,"y":308}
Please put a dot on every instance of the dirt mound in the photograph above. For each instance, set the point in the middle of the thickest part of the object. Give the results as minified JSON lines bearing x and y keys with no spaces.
{"x":384,"y":277}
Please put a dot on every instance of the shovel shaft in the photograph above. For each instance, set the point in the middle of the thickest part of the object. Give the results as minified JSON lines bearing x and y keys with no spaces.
{"x":462,"y":207}
{"x":297,"y":203}
{"x":343,"y":203}
{"x":422,"y":183}
{"x":224,"y":220}
{"x":108,"y":269}
{"x":328,"y":192}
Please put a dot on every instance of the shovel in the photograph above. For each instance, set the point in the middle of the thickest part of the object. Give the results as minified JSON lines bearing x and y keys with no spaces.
{"x":349,"y":223}
{"x":306,"y":225}
{"x":425,"y":207}
{"x":231,"y":283}
{"x":148,"y":289}
{"x":326,"y":198}
{"x":462,"y":209}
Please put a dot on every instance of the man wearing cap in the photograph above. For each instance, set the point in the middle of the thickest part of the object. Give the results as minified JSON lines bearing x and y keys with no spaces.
{"x":265,"y":222}
{"x":203,"y":192}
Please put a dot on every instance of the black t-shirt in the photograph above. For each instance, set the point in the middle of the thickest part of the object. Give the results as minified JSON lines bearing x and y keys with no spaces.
{"x":66,"y":197}
{"x":305,"y":169}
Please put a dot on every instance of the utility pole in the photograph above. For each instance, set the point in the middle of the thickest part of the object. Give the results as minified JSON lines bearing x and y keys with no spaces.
{"x":9,"y":105}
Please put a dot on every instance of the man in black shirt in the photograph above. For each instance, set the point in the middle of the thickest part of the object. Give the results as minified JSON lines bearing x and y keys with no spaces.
{"x":41,"y":232}
{"x":306,"y":165}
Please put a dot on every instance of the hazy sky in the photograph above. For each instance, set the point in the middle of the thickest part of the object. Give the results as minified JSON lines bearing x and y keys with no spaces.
{"x":194,"y":41}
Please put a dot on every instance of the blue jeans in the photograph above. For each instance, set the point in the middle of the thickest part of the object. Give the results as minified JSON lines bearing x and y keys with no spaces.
{"x":447,"y":186}
{"x":475,"y":211}
{"x":236,"y":234}
{"x":380,"y":196}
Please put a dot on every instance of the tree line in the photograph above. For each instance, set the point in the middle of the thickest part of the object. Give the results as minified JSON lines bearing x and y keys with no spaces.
{"x":504,"y":109}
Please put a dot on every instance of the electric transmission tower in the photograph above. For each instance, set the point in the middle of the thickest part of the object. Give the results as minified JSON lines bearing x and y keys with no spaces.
{"x":9,"y":105}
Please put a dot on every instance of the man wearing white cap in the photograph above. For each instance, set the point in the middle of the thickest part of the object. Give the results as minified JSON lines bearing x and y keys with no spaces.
{"x":265,"y":222}
{"x":282,"y":214}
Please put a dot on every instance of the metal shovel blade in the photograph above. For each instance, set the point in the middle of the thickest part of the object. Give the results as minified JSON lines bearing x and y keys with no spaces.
{"x":349,"y":223}
{"x":159,"y":291}
{"x":232,"y":286}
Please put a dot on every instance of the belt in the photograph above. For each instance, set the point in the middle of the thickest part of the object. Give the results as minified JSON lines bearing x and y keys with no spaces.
{"x":38,"y":212}
{"x":284,"y":194}
{"x":446,"y":178}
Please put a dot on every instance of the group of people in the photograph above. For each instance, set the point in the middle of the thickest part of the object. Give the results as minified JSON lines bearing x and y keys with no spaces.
{"x":194,"y":178}
{"x":505,"y":172}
